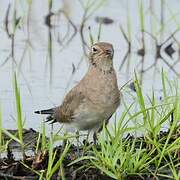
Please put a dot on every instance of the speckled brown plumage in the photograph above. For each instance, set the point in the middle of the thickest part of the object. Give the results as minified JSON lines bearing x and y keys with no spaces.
{"x":95,"y":98}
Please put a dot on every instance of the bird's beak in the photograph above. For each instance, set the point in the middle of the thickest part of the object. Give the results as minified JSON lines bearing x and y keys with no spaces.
{"x":109,"y":52}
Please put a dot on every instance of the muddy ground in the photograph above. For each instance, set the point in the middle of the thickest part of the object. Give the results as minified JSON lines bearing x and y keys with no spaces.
{"x":11,"y":168}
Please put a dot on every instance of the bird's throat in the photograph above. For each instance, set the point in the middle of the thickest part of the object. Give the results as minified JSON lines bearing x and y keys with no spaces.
{"x":105,"y":67}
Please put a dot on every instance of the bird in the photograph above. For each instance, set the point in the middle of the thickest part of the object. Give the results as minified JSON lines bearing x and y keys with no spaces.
{"x":95,"y":98}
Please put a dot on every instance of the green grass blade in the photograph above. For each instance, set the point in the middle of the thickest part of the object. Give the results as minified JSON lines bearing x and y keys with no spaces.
{"x":11,"y":136}
{"x":1,"y":136}
{"x":19,"y":110}
{"x":164,"y":83}
{"x":43,"y":143}
{"x":59,"y":162}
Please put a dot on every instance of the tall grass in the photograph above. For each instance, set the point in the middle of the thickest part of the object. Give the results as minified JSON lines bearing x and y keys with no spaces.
{"x":50,"y":42}
{"x":129,"y":28}
{"x":18,"y":110}
{"x":119,"y":156}
{"x":141,"y":14}
{"x":0,"y":127}
{"x":19,"y":118}
{"x":52,"y":165}
{"x":41,"y":140}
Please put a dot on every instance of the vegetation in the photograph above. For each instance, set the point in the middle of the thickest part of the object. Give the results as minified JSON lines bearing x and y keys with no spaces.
{"x":120,"y":152}
{"x":143,"y":142}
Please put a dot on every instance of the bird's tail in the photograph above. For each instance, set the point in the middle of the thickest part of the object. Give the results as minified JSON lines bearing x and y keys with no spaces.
{"x":46,"y":111}
{"x":51,"y":118}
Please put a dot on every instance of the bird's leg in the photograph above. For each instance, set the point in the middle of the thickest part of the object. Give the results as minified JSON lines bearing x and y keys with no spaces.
{"x":87,"y":137}
{"x":85,"y":142}
{"x":95,"y":138}
{"x":64,"y":142}
{"x":99,"y":130}
{"x":104,"y":124}
{"x":78,"y":142}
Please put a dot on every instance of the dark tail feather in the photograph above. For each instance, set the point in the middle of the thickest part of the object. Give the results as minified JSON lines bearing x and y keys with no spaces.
{"x":51,"y":113}
{"x":51,"y":119}
{"x":47,"y":111}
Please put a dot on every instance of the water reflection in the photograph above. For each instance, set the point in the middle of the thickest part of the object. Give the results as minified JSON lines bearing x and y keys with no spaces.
{"x":47,"y":43}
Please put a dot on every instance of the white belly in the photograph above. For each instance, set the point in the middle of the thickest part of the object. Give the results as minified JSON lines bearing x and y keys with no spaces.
{"x":87,"y":118}
{"x":87,"y":121}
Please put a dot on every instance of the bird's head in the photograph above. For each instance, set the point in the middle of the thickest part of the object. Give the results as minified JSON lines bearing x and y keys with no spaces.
{"x":101,"y":55}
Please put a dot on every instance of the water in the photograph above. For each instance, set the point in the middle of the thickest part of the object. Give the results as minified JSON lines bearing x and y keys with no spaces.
{"x":42,"y":85}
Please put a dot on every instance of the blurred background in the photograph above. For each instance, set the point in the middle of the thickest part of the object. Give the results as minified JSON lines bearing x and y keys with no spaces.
{"x":47,"y":42}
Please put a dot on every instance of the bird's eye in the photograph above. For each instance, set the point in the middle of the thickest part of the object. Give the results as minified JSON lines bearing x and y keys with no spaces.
{"x":94,"y":50}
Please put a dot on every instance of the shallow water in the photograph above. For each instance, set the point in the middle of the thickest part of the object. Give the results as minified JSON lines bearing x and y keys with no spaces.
{"x":44,"y":82}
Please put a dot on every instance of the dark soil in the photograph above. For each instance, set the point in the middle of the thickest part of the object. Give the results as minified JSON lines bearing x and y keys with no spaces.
{"x":10,"y":168}
{"x":14,"y":169}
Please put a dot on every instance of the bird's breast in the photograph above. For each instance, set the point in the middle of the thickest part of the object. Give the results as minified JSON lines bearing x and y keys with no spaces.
{"x":102,"y":89}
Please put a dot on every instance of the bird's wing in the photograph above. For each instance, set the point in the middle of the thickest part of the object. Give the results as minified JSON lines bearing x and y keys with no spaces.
{"x":72,"y":101}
